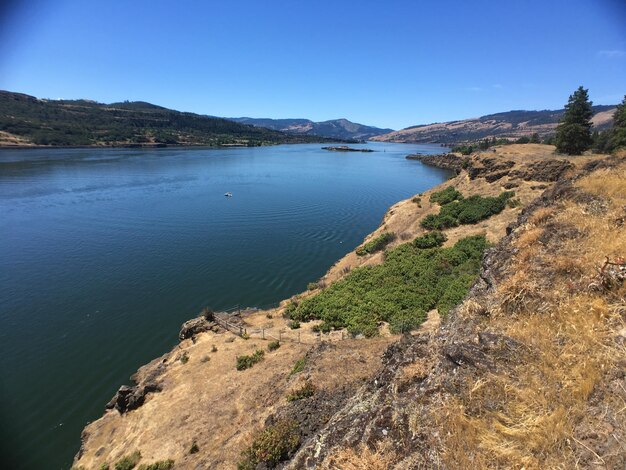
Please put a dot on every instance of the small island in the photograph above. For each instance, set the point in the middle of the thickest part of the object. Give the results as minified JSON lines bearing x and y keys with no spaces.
{"x":345,"y":148}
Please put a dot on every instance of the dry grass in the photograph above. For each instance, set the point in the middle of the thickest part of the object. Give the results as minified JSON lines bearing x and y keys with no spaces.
{"x":541,"y":215}
{"x":537,"y":414}
{"x":362,"y":458}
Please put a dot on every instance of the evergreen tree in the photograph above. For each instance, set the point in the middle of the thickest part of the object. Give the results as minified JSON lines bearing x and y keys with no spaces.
{"x":617,"y":138}
{"x":573,"y":134}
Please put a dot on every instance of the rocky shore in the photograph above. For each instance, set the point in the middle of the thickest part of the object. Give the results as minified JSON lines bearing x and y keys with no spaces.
{"x":345,"y":148}
{"x":446,"y":161}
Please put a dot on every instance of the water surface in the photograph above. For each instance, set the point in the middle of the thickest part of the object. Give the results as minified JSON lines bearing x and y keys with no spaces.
{"x":106,"y":252}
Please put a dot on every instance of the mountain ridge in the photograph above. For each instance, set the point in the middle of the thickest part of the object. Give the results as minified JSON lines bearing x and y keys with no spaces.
{"x":341,"y":128}
{"x":27,"y":121}
{"x":509,"y":124}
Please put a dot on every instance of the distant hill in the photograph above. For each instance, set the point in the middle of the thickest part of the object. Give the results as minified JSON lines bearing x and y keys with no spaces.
{"x":333,"y":129}
{"x":29,"y":121}
{"x":512,"y":124}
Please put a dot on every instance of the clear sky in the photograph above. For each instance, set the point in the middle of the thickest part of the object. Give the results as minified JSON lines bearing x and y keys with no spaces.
{"x":388,"y":63}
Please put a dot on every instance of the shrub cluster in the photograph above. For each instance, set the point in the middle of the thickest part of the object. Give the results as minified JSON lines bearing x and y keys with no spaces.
{"x":273,"y":346}
{"x":430,"y":240}
{"x":466,"y":211}
{"x":160,"y":465}
{"x":306,"y":391}
{"x":446,"y":196}
{"x":274,"y":445}
{"x":128,"y":462}
{"x":376,"y":244}
{"x":400,"y":291}
{"x":245,"y":362}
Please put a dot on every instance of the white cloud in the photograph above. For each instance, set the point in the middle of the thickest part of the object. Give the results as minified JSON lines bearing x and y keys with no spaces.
{"x":612,"y":54}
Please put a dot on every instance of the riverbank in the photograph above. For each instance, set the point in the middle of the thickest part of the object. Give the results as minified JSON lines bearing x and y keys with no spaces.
{"x":243,"y":402}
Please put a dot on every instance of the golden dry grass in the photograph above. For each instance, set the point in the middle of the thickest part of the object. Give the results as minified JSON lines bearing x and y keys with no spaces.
{"x":533,"y":415}
{"x":362,"y":458}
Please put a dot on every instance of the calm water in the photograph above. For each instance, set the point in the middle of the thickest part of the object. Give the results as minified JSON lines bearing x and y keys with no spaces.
{"x":106,"y":252}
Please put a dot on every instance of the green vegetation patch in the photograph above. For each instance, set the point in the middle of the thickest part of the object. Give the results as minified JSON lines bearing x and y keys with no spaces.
{"x":298,"y":366}
{"x":432,"y":239}
{"x":306,"y":391}
{"x":466,"y":211}
{"x":245,"y":362}
{"x":446,"y":196}
{"x":401,"y":291}
{"x":376,"y":244}
{"x":274,"y":445}
{"x":273,"y":346}
{"x":160,"y":465}
{"x":128,"y":462}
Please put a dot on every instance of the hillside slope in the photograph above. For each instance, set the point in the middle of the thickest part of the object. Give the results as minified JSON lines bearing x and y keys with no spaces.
{"x":29,"y":121}
{"x":527,"y":371}
{"x":511,"y":124}
{"x":335,"y":129}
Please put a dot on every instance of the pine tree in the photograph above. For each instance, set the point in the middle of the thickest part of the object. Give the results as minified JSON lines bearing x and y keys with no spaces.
{"x":573,"y":134}
{"x":617,"y":137}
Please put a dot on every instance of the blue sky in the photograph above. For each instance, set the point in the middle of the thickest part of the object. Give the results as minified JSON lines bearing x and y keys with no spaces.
{"x":385,"y":63}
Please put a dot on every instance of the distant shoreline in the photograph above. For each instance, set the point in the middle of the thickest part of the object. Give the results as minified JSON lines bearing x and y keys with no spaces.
{"x":144,"y":146}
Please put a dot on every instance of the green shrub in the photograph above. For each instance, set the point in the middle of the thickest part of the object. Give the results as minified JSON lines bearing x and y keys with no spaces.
{"x":194,"y":448}
{"x":298,"y":366}
{"x":213,"y":348}
{"x":376,"y":244}
{"x":289,"y":309}
{"x":306,"y":391}
{"x":446,"y":196}
{"x":311,"y":286}
{"x":274,"y":445}
{"x":245,"y":362}
{"x":128,"y":462}
{"x":273,"y":346}
{"x":430,"y":240}
{"x":160,"y":465}
{"x":184,"y":358}
{"x":104,"y":466}
{"x":294,"y":324}
{"x":466,"y":211}
{"x":409,"y":283}
{"x":322,"y":328}
{"x":417,"y":200}
{"x":463,"y":149}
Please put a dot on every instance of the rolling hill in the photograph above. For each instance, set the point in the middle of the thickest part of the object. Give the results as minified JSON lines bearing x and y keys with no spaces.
{"x":333,"y":129}
{"x":29,"y":121}
{"x":511,"y":124}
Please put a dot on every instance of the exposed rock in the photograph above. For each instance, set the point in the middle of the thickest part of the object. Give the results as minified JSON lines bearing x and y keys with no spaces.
{"x":129,"y":398}
{"x":544,"y":170}
{"x":345,"y":148}
{"x":490,"y":168}
{"x":194,"y":326}
{"x":447,"y":161}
